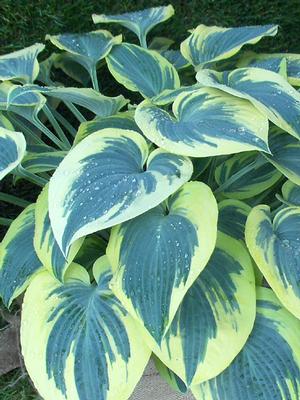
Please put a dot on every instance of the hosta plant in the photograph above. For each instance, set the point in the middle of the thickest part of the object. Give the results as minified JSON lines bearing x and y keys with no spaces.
{"x":168,"y":219}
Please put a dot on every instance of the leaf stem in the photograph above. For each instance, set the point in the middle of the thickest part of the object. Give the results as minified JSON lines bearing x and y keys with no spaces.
{"x":60,"y":133}
{"x":8,"y":198}
{"x":25,"y":129}
{"x":5,"y":221}
{"x":50,"y":135}
{"x":75,"y":111}
{"x":66,"y":124}
{"x":29,"y":176}
{"x":143,"y":41}
{"x":94,"y":78}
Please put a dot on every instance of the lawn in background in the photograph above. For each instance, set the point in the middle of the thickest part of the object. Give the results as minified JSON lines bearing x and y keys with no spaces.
{"x":24,"y":22}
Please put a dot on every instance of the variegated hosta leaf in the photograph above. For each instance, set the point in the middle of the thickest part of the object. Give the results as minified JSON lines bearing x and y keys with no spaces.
{"x":292,"y":62}
{"x":12,"y":150}
{"x":206,"y":122}
{"x":5,"y":122}
{"x":87,"y":48}
{"x":259,"y":175}
{"x":142,"y":70}
{"x":157,"y":256}
{"x":268,"y":366}
{"x":232,"y":218}
{"x":139,"y":22}
{"x":285,"y":154}
{"x":215,"y":317}
{"x":68,"y":63}
{"x":160,"y":43}
{"x":36,"y":162}
{"x":101,"y":183}
{"x":208,"y":44}
{"x":86,"y":97}
{"x":92,"y":248}
{"x":124,"y":120}
{"x":27,"y":102}
{"x":274,"y":244}
{"x":78,"y":341}
{"x":269,"y":92}
{"x":45,"y":244}
{"x":45,"y":72}
{"x":21,"y":65}
{"x":271,"y":62}
{"x":18,"y":260}
{"x":291,"y":193}
{"x":175,"y":58}
{"x":169,"y":95}
{"x":169,"y":376}
{"x":21,"y":100}
{"x":293,"y":68}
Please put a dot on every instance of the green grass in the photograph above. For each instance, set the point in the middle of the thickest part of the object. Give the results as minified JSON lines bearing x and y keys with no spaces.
{"x":16,"y":386}
{"x":24,"y":22}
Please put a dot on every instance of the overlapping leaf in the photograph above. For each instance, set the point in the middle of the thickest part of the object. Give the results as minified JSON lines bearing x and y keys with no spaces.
{"x":232,"y":218}
{"x":102,"y":182}
{"x":142,"y":70}
{"x":208,"y":44}
{"x":291,"y":193}
{"x":85,"y":97}
{"x":267,"y":90}
{"x":157,"y":256}
{"x":78,"y":341}
{"x":205,"y":122}
{"x":18,"y":260}
{"x":285,"y":153}
{"x":37,"y":162}
{"x":45,"y":244}
{"x":268,"y":366}
{"x":12,"y":150}
{"x":124,"y":120}
{"x":287,"y":64}
{"x":245,"y":175}
{"x":274,"y":244}
{"x":215,"y":318}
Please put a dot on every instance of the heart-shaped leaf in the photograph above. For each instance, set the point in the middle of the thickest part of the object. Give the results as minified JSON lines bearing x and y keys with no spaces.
{"x":102,"y":182}
{"x":215,"y":317}
{"x":268,"y":366}
{"x":205,"y":122}
{"x":274,"y":244}
{"x":157,"y":256}
{"x":78,"y":342}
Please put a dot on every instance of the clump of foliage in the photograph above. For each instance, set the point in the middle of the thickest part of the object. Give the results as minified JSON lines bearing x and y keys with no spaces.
{"x":159,"y":221}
